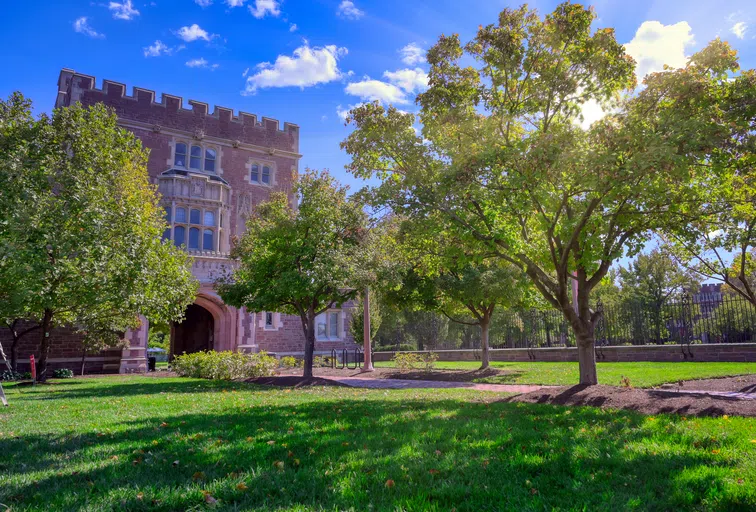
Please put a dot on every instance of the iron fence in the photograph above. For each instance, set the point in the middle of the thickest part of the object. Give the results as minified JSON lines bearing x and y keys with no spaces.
{"x":700,"y":318}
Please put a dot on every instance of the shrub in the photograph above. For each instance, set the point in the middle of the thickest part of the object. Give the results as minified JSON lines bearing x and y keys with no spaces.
{"x":402,"y":347}
{"x":406,"y":361}
{"x":291,"y":362}
{"x":225,"y":365}
{"x":321,"y":362}
{"x":63,"y":373}
{"x":11,"y":375}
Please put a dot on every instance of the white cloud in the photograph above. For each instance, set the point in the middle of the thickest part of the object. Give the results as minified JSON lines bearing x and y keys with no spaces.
{"x":193,"y":33}
{"x":263,"y":7}
{"x":123,"y":10}
{"x":204,"y":3}
{"x":655,"y":45}
{"x":348,"y":10}
{"x":412,"y":54}
{"x":235,"y":3}
{"x":157,"y":49}
{"x":344,"y":112}
{"x":81,"y":26}
{"x":293,"y":27}
{"x":739,"y":29}
{"x":246,"y":72}
{"x":400,"y":84}
{"x":306,"y":67}
{"x":200,"y":63}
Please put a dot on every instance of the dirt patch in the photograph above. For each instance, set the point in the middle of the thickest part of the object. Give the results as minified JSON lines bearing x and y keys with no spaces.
{"x":393,"y":373}
{"x":646,"y":401}
{"x":294,"y":381}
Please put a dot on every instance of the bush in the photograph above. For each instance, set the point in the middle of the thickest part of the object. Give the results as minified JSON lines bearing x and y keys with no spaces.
{"x":10,"y":375}
{"x":291,"y":362}
{"x":406,"y":361}
{"x":321,"y":362}
{"x":225,"y":365}
{"x":63,"y":373}
{"x":402,"y":347}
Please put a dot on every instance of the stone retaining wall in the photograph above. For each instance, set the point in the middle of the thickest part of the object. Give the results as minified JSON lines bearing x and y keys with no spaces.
{"x":729,"y":352}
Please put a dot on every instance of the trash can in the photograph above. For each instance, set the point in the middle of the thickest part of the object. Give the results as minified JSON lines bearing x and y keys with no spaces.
{"x":151,"y":363}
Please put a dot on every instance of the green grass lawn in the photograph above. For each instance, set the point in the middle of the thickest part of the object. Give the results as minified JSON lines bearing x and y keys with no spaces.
{"x":147,"y":443}
{"x":641,"y":374}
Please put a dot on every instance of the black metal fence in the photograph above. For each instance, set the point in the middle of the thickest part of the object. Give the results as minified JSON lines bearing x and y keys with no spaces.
{"x":700,"y":318}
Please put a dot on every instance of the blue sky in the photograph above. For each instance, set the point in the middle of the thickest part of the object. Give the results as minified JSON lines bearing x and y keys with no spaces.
{"x":305,"y":62}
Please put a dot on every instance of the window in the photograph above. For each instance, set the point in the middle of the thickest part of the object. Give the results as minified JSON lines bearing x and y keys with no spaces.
{"x":209,"y":219}
{"x":207,"y":240}
{"x":180,"y":158}
{"x":194,"y":238}
{"x":167,"y":213}
{"x":328,"y":325}
{"x":266,"y":175}
{"x":210,"y":160}
{"x":268,"y":320}
{"x":167,"y":234}
{"x":195,"y":158}
{"x":178,"y":236}
{"x":180,"y":215}
{"x":255,"y":175}
{"x":194,"y":216}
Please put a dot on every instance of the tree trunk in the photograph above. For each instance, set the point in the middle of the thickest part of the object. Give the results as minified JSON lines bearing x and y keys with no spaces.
{"x":14,"y":353}
{"x":485,"y":358}
{"x":44,"y":349}
{"x":587,"y":360}
{"x":83,"y":361}
{"x":367,"y":345}
{"x":309,"y":343}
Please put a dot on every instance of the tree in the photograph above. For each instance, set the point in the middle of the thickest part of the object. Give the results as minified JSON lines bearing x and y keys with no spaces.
{"x":80,"y":237}
{"x":299,"y":259}
{"x":720,"y":243}
{"x":503,"y":159}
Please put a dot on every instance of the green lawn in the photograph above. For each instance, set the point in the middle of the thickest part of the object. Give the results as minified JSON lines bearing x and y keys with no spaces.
{"x":139,"y":443}
{"x":564,"y":374}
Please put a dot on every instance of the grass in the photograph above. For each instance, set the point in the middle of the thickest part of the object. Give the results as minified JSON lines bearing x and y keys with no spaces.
{"x":642,"y":374}
{"x":147,"y":443}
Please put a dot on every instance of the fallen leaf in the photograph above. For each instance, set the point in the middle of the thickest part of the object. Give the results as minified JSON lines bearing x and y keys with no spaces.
{"x":241,"y":486}
{"x":164,"y":424}
{"x":271,"y":442}
{"x":175,"y":463}
{"x":433,"y":471}
{"x":390,"y":484}
{"x":279,"y":464}
{"x":140,"y":496}
{"x":199,"y":475}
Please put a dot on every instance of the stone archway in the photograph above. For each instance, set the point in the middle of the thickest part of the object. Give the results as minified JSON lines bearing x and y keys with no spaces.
{"x":196,"y":333}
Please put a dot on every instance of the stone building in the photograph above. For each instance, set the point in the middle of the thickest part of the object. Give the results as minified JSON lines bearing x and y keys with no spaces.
{"x":211,"y":169}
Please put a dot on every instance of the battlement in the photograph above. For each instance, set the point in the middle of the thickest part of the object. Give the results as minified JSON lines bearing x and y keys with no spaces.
{"x":170,"y":112}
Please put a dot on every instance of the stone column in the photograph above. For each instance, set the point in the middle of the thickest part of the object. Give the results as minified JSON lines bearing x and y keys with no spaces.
{"x":368,"y":367}
{"x":134,"y":357}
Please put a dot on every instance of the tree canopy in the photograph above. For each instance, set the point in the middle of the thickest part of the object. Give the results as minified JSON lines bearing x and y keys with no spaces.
{"x":299,"y":259}
{"x":80,"y":236}
{"x":504,"y":161}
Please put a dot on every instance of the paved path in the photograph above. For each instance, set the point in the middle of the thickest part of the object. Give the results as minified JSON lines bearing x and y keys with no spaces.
{"x":734,"y":395}
{"x":367,"y":382}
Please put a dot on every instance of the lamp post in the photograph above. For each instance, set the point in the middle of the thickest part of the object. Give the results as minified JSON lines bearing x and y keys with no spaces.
{"x":368,"y":367}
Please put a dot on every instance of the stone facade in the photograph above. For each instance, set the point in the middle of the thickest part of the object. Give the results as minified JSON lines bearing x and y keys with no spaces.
{"x":211,"y":169}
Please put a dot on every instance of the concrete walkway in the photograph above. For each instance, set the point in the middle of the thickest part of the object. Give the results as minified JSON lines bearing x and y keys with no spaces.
{"x":733,"y":395}
{"x":371,"y":383}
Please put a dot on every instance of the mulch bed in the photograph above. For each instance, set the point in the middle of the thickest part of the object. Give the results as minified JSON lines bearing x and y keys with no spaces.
{"x":742,"y":384}
{"x":295,"y":381}
{"x":646,"y":401}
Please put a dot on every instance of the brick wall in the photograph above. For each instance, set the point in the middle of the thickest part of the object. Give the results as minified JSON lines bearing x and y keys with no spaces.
{"x":724,"y":352}
{"x":65,"y":351}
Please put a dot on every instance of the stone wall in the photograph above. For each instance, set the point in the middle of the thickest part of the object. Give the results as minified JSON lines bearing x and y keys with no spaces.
{"x":724,"y":352}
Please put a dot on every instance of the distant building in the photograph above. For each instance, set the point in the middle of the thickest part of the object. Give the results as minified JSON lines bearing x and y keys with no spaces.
{"x":708,"y":298}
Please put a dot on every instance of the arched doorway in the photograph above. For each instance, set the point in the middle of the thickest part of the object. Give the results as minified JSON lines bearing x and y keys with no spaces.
{"x":195,"y":333}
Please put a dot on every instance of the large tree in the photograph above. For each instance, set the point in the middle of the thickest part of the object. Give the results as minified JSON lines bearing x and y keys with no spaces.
{"x":299,"y":259}
{"x":503,"y":158}
{"x":80,"y":237}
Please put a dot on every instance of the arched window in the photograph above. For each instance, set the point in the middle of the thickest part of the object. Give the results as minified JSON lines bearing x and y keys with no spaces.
{"x":167,"y":213}
{"x":178,"y":236}
{"x":266,"y":175}
{"x":207,"y":240}
{"x":210,"y":160}
{"x":209,"y":218}
{"x":255,"y":174}
{"x":194,"y":216}
{"x":167,"y":234}
{"x":194,"y":238}
{"x":180,"y":215}
{"x":180,"y":158}
{"x":195,"y":158}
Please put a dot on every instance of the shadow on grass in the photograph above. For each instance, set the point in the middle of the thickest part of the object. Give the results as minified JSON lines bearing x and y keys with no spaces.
{"x":334,"y":453}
